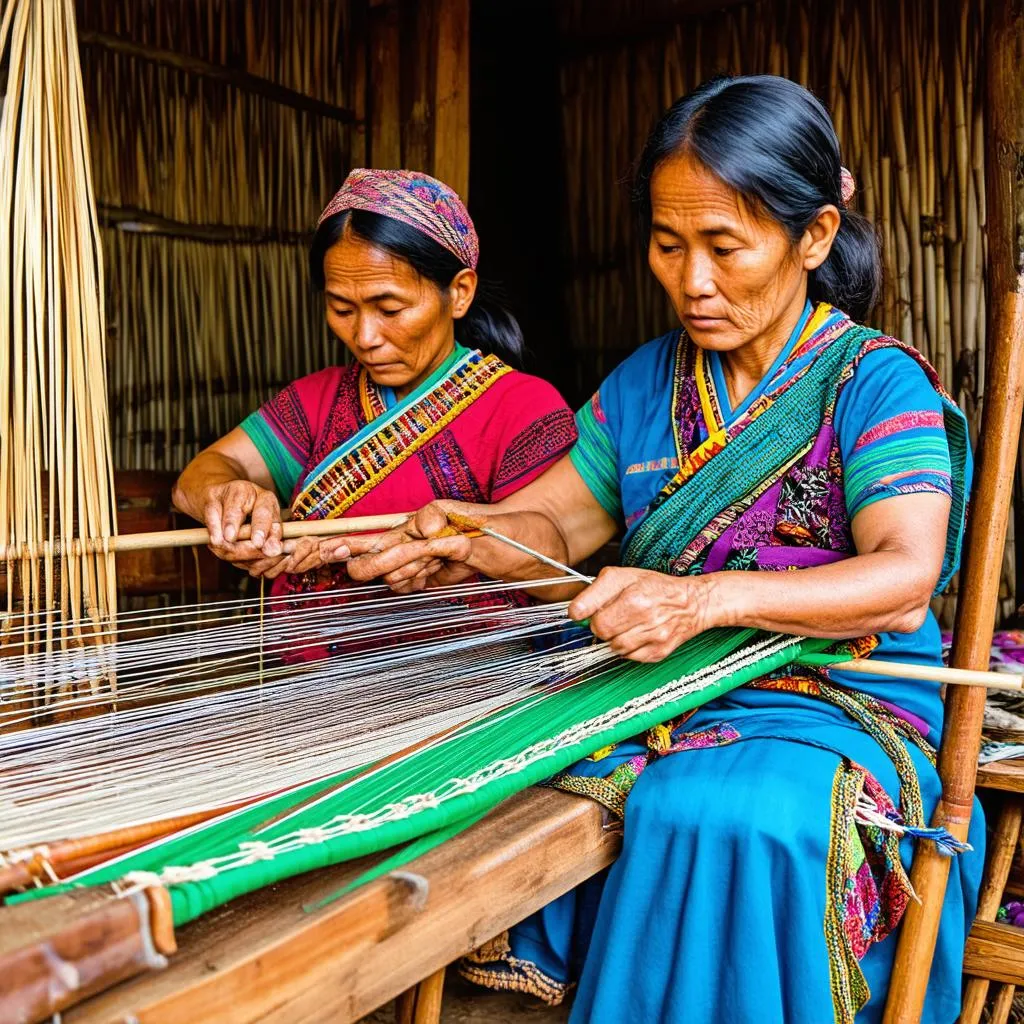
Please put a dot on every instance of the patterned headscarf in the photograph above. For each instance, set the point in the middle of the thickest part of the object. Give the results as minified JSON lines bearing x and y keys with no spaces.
{"x":416,"y":199}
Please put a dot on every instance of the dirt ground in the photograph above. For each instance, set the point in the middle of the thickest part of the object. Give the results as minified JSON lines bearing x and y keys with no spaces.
{"x":467,"y":1004}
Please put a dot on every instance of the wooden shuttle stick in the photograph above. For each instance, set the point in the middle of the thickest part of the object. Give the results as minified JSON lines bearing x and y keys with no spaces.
{"x":926,"y":673}
{"x":198,"y":536}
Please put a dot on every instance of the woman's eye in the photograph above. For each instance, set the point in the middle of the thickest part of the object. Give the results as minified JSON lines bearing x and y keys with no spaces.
{"x":668,"y":248}
{"x":722,"y":251}
{"x":341,"y":312}
{"x":392,"y":312}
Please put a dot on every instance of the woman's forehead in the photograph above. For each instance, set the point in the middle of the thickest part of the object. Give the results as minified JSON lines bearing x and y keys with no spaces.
{"x":684,"y":191}
{"x":354,"y":262}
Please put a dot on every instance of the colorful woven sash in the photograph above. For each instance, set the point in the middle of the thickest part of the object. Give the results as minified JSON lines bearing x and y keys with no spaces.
{"x":734,"y":466}
{"x":353,"y":469}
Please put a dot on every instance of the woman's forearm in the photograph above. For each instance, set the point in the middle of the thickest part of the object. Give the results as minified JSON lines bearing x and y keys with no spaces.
{"x":884,"y":591}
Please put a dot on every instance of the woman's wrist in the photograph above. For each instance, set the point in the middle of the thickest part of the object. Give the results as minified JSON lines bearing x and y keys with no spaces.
{"x":726,"y":598}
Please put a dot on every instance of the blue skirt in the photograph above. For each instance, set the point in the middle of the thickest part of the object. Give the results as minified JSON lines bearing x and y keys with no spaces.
{"x":715,"y":909}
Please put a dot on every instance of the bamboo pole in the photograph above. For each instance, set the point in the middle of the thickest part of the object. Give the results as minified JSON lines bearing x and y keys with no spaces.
{"x":1004,"y":401}
{"x":198,"y":536}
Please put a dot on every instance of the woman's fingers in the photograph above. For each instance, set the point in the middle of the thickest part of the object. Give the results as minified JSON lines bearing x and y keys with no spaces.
{"x":264,"y":512}
{"x":236,"y":503}
{"x":384,"y":563}
{"x":606,"y":588}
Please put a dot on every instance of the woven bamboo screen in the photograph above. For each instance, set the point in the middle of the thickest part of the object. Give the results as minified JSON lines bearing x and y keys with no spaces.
{"x":214,"y":190}
{"x":902,"y":81}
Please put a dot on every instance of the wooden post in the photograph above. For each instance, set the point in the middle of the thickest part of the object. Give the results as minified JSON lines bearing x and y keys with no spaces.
{"x":1000,"y":430}
{"x":385,"y":141}
{"x":422,"y":1003}
{"x":451,"y":96}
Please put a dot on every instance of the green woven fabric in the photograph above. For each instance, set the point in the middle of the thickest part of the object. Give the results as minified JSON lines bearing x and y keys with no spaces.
{"x":435,"y":771}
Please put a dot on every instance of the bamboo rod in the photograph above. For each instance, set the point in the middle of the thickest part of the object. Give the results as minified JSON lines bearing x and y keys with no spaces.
{"x":199,"y":536}
{"x":925,"y":673}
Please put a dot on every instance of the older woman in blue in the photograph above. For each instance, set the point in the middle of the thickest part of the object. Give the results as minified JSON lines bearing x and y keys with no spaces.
{"x":767,"y":835}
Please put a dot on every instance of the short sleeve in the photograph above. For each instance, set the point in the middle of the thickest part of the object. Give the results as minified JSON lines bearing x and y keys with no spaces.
{"x":595,"y":454}
{"x":284,"y":428}
{"x":891,"y":431}
{"x":537,"y":430}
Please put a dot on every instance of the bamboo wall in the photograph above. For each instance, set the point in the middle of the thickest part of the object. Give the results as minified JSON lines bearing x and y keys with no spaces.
{"x":219,"y":130}
{"x":903,"y":82}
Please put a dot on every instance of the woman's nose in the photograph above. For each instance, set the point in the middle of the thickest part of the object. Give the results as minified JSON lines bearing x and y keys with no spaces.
{"x":366,"y":336}
{"x":698,"y":278}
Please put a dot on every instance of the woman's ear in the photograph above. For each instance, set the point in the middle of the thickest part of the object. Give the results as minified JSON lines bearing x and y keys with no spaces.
{"x":819,"y":236}
{"x":461,"y":292}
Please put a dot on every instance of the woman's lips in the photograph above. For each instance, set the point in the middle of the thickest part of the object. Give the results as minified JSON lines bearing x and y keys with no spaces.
{"x":704,"y":323}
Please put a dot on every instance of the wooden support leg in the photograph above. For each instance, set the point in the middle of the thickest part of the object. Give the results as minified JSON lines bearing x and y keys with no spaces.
{"x":422,"y":1003}
{"x":1001,"y":849}
{"x":1003,"y":1004}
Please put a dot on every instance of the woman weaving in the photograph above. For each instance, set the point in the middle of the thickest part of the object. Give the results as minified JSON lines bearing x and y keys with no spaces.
{"x":771,"y":433}
{"x":421,"y":413}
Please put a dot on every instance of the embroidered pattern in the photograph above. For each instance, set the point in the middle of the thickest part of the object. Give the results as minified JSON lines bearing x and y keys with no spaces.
{"x":867,"y":888}
{"x":287,"y":417}
{"x":897,"y":424}
{"x":448,"y":470}
{"x":357,"y":472}
{"x":493,"y":966}
{"x":539,"y":445}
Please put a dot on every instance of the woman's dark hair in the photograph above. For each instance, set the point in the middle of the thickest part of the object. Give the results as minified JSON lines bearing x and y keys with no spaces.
{"x":774,"y":143}
{"x":487,"y":325}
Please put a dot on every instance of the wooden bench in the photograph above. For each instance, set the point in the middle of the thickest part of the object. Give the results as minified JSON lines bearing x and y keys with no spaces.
{"x":264,"y":957}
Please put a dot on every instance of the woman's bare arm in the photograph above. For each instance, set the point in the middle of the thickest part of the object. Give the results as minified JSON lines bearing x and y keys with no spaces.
{"x":556,"y":515}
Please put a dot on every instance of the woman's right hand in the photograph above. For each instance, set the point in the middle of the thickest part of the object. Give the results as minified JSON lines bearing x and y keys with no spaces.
{"x":420,"y":553}
{"x":226,"y":507}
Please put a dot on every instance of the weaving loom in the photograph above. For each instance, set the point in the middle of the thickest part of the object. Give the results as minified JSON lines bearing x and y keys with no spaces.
{"x":491,"y":698}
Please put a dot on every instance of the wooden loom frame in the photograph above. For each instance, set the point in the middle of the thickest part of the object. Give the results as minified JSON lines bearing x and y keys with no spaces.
{"x":261,"y":959}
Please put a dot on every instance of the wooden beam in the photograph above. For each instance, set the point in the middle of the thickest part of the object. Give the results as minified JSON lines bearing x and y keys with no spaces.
{"x":385,"y":141}
{"x":1000,"y":431}
{"x":451,"y":96}
{"x":264,"y":958}
{"x":144,"y":222}
{"x":996,"y":952}
{"x":217,"y":72}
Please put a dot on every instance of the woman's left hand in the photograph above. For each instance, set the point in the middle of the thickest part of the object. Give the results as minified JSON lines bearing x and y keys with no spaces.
{"x":645,"y":615}
{"x":301,"y":555}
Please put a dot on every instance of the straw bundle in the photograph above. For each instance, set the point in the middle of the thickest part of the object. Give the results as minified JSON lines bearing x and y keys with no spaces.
{"x":55,"y":470}
{"x":900,"y":81}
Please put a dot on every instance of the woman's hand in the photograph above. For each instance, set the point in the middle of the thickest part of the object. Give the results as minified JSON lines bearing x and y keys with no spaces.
{"x":226,"y":506}
{"x":645,"y":615}
{"x":418,"y":554}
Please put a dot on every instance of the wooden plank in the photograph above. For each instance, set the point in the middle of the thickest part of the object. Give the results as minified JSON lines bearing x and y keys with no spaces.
{"x":218,"y":73}
{"x":451,"y":96}
{"x":1005,"y":775}
{"x":385,"y":141}
{"x":986,"y":531}
{"x":264,"y":958}
{"x":996,"y":952}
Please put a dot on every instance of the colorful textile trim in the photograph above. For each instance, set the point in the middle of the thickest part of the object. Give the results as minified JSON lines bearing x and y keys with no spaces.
{"x":739,"y":464}
{"x":493,"y":966}
{"x":867,"y":888}
{"x":415,"y":199}
{"x":335,"y":488}
{"x":611,"y":791}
